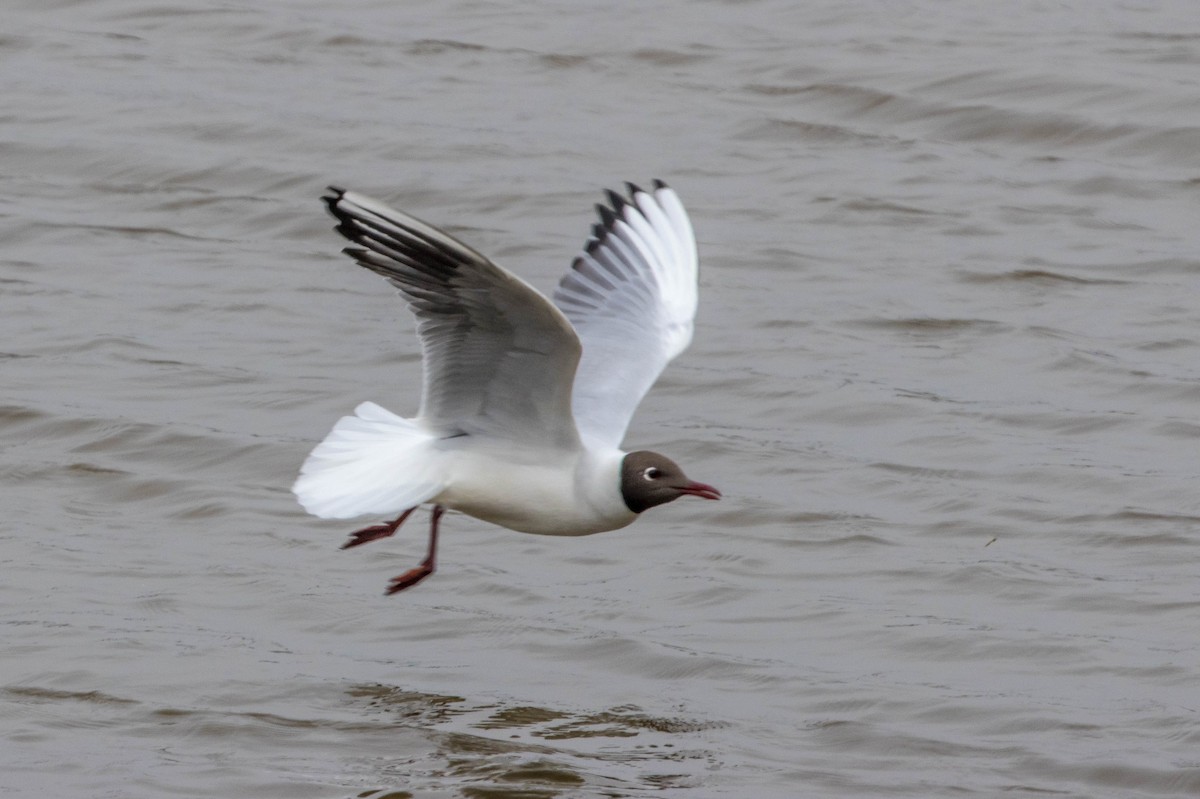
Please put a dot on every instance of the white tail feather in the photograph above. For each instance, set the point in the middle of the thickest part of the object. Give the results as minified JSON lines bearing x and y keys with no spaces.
{"x":373,"y":462}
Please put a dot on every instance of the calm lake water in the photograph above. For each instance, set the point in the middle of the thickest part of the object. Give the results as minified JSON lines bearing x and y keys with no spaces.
{"x":946,"y":372}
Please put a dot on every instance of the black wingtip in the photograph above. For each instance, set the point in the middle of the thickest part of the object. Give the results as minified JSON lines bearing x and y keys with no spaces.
{"x":633,"y":189}
{"x":331,"y":200}
{"x":607,"y":217}
{"x":347,"y":227}
{"x":658,"y":184}
{"x":615,"y":200}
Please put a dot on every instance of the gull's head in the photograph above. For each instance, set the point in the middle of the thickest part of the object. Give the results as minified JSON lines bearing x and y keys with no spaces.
{"x":649,"y":479}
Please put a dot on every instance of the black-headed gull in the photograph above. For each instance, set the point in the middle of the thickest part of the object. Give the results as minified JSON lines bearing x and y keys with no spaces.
{"x":525,"y":402}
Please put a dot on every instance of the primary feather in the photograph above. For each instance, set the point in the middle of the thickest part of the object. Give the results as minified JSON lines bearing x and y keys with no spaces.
{"x":631,"y":296}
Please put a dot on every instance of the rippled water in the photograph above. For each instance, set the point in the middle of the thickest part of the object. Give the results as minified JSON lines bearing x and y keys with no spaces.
{"x":946,"y":373}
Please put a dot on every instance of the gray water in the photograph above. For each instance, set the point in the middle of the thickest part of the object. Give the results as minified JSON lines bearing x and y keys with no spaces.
{"x":946,"y":372}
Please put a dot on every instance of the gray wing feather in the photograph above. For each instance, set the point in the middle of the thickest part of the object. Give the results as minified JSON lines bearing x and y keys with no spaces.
{"x":499,"y":358}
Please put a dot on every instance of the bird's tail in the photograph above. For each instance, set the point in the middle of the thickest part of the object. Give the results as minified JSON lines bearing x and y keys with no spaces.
{"x":373,"y":462}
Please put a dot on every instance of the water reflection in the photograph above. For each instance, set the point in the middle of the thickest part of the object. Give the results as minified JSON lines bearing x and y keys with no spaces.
{"x":611,"y":752}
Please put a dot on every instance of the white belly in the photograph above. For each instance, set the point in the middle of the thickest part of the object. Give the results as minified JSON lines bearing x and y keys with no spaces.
{"x":574,"y":493}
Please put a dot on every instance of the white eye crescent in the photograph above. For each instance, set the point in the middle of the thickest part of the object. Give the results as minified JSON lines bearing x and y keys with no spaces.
{"x":652,"y":473}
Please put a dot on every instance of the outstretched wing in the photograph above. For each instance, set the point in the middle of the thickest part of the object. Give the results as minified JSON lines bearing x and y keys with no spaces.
{"x":499,"y":358}
{"x":631,"y":295}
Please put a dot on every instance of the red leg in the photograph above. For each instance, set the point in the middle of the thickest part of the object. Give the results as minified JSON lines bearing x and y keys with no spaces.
{"x":419,"y":573}
{"x":376,"y":531}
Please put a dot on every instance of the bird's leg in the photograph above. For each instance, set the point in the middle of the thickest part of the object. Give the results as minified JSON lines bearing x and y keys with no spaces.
{"x":376,"y":531}
{"x":419,"y":573}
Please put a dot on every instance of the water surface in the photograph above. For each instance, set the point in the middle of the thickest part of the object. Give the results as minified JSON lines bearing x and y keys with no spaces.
{"x":945,"y":373}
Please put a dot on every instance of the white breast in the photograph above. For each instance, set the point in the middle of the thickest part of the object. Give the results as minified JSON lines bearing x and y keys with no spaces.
{"x":536,"y":490}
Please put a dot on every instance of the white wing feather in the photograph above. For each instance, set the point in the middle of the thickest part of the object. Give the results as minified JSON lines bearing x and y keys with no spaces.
{"x":631,"y":296}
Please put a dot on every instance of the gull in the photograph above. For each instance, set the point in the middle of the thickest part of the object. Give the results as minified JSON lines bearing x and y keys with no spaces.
{"x":525,"y":402}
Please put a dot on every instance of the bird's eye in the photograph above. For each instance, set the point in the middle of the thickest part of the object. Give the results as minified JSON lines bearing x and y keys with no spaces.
{"x":652,"y":473}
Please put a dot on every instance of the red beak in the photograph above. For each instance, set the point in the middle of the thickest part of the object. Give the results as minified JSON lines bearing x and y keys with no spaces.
{"x":702,"y":490}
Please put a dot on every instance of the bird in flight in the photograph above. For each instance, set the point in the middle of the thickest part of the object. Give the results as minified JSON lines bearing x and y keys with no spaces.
{"x":525,"y":402}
